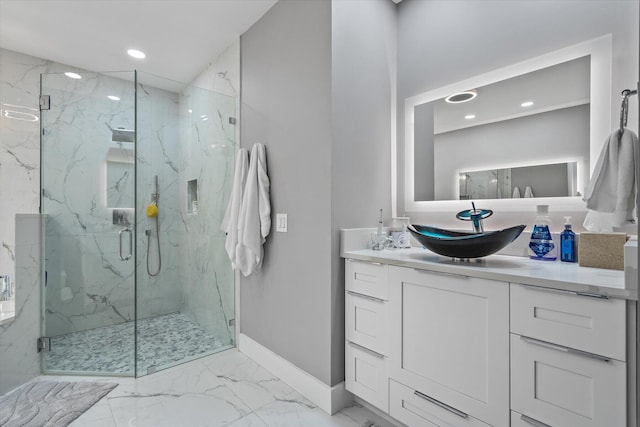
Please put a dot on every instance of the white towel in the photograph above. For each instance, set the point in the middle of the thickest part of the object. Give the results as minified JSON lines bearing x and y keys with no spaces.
{"x":232,"y":215}
{"x":254,"y":224}
{"x":516,"y":193}
{"x":528,"y":192}
{"x":613,"y":185}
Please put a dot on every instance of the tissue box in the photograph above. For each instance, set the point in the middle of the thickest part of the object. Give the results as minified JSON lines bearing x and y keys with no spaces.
{"x":602,"y":250}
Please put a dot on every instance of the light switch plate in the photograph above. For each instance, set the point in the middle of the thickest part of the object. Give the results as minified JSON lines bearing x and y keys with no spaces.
{"x":281,"y":222}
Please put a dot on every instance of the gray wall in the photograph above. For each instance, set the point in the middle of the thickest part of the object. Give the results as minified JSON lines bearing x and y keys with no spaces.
{"x":328,"y":154}
{"x":491,"y":34}
{"x":544,"y":180}
{"x":286,"y":105}
{"x":423,"y":149}
{"x":363,"y":69}
{"x":558,"y":134}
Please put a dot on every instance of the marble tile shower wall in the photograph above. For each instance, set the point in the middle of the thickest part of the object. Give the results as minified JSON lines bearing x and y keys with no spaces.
{"x":19,"y":361}
{"x":87,"y":285}
{"x":19,"y":144}
{"x":208,"y":155}
{"x":159,"y":154}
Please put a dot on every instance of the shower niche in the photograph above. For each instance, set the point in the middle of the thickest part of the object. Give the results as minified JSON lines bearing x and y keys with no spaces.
{"x":192,"y":196}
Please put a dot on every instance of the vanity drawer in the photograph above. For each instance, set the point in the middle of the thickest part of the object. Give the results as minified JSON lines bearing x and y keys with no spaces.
{"x":558,"y":387}
{"x":367,"y":278}
{"x":418,"y":410}
{"x":367,"y":322}
{"x":586,"y":323}
{"x":367,"y":375}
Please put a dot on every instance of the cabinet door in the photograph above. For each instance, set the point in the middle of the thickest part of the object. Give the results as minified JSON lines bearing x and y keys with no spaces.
{"x":367,"y":322}
{"x":559,"y":387}
{"x":453,"y":340}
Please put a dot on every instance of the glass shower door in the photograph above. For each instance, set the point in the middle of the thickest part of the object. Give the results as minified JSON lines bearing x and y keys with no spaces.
{"x":88,"y":196}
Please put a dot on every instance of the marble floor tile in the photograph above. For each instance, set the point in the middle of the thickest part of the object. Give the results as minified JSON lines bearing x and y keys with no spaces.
{"x":295,"y":413}
{"x":224,"y":389}
{"x":251,"y":420}
{"x":251,"y":382}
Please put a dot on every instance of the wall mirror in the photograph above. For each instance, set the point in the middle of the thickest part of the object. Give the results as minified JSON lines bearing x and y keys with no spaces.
{"x":523,"y":123}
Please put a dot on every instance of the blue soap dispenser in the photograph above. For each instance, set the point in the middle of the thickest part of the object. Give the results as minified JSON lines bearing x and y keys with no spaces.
{"x":567,"y":242}
{"x":541,"y":245}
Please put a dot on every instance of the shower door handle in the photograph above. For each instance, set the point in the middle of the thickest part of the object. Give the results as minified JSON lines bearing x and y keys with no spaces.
{"x":120,"y":233}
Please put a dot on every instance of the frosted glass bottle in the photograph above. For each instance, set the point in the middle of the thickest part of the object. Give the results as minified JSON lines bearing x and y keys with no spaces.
{"x":541,"y":245}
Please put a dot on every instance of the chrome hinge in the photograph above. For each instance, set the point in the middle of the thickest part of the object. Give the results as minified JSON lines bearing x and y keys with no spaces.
{"x":45,"y":102}
{"x":232,"y":120}
{"x":232,"y":323}
{"x":44,"y":344}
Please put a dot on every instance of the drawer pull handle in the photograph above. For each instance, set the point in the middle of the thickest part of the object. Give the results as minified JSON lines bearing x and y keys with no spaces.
{"x":565,"y":349}
{"x":366,"y":350}
{"x":368,"y":262}
{"x":444,"y":273}
{"x":591,"y":295}
{"x":369,"y":297}
{"x":440,"y":404}
{"x":563,"y":291}
{"x":533,"y":421}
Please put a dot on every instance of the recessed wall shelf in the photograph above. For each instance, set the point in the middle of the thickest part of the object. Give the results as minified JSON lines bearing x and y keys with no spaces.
{"x":192,"y":196}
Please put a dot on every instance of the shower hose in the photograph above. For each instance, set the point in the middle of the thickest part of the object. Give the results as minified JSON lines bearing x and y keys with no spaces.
{"x":158,"y":245}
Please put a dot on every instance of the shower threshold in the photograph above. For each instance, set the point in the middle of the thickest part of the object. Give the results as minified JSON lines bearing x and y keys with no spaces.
{"x":163,"y":341}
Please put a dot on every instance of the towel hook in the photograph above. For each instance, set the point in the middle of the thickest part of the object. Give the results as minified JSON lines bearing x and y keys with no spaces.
{"x":624,"y":109}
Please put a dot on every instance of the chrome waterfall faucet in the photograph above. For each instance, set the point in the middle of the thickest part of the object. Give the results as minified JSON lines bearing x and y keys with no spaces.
{"x":475,"y":216}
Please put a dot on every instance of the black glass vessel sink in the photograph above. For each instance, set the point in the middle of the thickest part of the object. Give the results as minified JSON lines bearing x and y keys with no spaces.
{"x":460,"y":244}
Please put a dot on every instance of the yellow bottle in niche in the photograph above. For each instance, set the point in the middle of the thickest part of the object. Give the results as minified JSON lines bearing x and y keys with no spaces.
{"x":152,"y":210}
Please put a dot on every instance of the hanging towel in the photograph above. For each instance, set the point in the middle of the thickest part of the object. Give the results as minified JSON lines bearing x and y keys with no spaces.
{"x":254,"y":223}
{"x":528,"y":192}
{"x":613,"y":187}
{"x":232,"y":215}
{"x":516,"y":193}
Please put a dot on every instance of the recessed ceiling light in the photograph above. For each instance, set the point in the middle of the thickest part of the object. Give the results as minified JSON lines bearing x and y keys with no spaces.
{"x":190,"y":111}
{"x":470,"y":116}
{"x":136,"y":53}
{"x":73,"y":75}
{"x":460,"y":97}
{"x":113,"y":98}
{"x":527,"y":104}
{"x":205,"y":119}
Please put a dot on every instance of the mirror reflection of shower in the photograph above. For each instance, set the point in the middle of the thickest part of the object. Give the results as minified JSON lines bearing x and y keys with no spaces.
{"x":152,"y":213}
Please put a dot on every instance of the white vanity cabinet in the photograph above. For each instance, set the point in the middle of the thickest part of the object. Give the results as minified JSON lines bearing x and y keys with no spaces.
{"x":450,"y":348}
{"x":568,"y":358}
{"x":435,"y":348}
{"x":367,"y":331}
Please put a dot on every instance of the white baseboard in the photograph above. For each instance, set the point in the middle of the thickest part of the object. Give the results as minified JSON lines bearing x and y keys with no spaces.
{"x":329,"y":399}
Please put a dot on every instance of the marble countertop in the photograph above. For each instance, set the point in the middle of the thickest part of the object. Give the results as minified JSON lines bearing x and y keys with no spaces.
{"x":505,"y":268}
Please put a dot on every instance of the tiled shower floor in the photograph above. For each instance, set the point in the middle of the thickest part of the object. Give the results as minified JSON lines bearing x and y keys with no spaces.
{"x":163,"y":341}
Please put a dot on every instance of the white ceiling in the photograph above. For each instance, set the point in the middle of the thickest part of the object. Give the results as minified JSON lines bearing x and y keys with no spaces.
{"x":180,"y":37}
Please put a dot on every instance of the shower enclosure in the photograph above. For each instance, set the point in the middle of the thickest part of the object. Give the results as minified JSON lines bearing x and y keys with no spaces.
{"x":135,"y":176}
